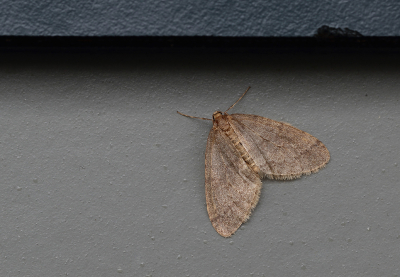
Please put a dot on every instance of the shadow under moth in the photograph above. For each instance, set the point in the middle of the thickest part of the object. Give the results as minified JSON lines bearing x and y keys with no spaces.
{"x":244,"y":148}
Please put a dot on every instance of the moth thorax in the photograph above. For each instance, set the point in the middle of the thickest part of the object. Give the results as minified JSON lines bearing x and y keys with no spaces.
{"x":220,"y":121}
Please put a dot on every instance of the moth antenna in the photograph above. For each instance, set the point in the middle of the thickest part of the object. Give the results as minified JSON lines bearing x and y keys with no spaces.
{"x":193,"y":116}
{"x":238,"y":99}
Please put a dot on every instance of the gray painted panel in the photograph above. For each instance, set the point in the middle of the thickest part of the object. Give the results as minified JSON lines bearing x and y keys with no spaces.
{"x":101,"y":177}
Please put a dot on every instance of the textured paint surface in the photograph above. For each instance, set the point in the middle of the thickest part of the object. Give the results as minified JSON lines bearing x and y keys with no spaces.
{"x":196,"y":17}
{"x":101,"y":177}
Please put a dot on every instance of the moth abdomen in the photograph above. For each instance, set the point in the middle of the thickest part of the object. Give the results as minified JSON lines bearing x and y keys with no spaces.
{"x":230,"y":133}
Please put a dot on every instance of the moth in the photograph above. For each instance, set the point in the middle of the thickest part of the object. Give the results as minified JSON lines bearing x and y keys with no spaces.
{"x":244,"y":148}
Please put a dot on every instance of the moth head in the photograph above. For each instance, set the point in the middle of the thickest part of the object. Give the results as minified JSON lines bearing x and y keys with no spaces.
{"x":217,"y":115}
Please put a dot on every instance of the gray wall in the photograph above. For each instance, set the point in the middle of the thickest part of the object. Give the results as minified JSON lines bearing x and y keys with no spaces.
{"x":196,"y":17}
{"x":100,"y":177}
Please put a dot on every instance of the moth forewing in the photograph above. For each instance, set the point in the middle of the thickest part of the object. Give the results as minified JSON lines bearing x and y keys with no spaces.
{"x":232,"y":187}
{"x":243,"y":148}
{"x":281,"y":151}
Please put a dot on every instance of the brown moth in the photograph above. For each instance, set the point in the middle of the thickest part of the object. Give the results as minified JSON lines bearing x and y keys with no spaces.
{"x":241,"y":150}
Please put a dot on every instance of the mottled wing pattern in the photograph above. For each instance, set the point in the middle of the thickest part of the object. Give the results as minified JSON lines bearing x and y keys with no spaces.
{"x":232,"y":187}
{"x":280,"y":150}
